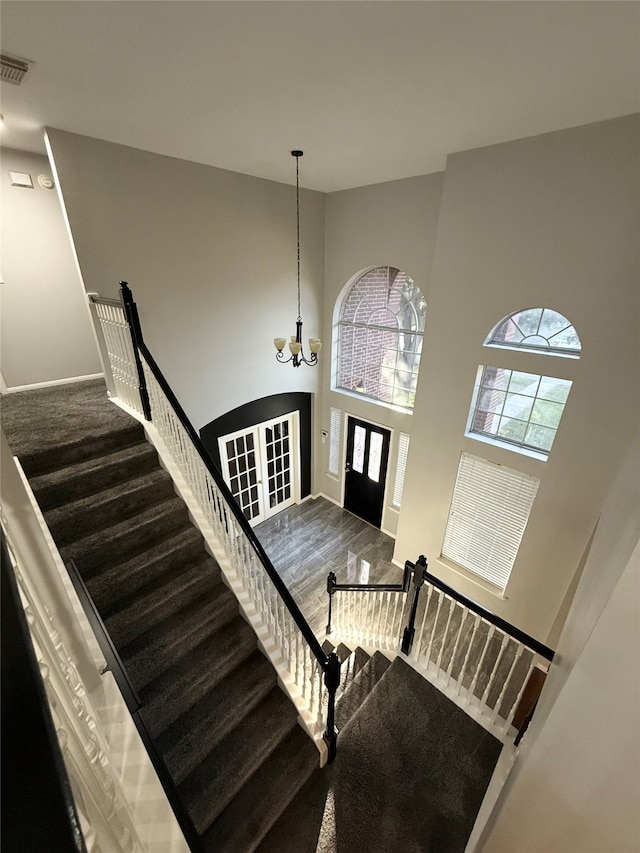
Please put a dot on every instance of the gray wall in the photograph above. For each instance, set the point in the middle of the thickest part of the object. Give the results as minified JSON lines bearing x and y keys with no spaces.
{"x":575,"y":786}
{"x":546,"y":221}
{"x":45,"y":326}
{"x":390,"y":224}
{"x":211,"y":258}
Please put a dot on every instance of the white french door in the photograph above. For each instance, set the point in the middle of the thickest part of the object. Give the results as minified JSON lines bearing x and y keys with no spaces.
{"x":260,"y":465}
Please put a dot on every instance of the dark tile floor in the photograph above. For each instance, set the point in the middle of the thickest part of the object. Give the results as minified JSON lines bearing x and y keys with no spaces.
{"x":307,"y":541}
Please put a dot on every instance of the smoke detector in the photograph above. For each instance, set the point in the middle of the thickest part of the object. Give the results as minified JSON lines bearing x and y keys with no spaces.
{"x":12,"y":69}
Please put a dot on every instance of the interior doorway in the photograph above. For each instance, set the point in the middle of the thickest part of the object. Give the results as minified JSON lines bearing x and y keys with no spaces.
{"x":366,"y":469}
{"x":260,"y":465}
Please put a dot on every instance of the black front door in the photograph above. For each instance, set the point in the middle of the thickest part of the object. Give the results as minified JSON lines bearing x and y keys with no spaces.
{"x":366,"y":470}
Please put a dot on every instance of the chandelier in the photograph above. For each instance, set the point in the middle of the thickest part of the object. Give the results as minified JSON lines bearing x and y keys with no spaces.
{"x":295,"y":344}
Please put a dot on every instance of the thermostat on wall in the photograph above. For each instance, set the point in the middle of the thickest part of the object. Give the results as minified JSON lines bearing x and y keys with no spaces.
{"x":45,"y":182}
{"x":21,"y":179}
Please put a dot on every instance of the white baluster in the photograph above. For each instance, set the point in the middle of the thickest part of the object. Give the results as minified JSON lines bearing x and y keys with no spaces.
{"x":445,"y":636}
{"x":388,"y":632}
{"x":476,"y":623}
{"x":378,"y":624}
{"x":418,"y":647}
{"x":490,"y":632}
{"x":516,"y":657}
{"x":435,"y":625}
{"x":514,"y":707}
{"x":463,"y":616}
{"x":496,"y":666}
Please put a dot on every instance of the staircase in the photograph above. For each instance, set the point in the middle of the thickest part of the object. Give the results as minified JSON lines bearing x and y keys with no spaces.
{"x":410,"y":774}
{"x":306,"y":825}
{"x":209,"y":699}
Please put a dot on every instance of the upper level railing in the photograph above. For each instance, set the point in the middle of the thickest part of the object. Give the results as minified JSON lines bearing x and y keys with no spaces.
{"x":476,"y":657}
{"x":144,"y":388}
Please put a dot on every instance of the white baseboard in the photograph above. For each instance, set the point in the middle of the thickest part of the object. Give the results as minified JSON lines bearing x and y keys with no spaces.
{"x":15,"y":388}
{"x":327,"y":498}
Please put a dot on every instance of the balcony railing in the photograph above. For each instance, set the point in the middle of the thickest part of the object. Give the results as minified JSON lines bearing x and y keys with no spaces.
{"x":476,"y":658}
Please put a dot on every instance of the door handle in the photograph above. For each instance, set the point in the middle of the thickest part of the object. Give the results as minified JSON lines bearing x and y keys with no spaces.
{"x":347,"y":467}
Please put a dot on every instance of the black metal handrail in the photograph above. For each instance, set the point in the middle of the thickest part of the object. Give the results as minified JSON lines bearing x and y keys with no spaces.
{"x":329,"y":663}
{"x":506,"y":627}
{"x":420,"y":573}
{"x":409,"y":570}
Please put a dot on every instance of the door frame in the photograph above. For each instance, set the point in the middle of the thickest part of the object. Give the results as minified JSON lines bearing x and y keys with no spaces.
{"x":343,"y":460}
{"x":260,"y":451}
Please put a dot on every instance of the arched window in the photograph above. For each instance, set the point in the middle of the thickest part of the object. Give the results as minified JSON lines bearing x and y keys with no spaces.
{"x":537,"y":329}
{"x":380,"y":332}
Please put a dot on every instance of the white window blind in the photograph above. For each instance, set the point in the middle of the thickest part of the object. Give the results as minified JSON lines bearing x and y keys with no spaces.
{"x":334,"y":441}
{"x":489,"y":512}
{"x":401,"y":467}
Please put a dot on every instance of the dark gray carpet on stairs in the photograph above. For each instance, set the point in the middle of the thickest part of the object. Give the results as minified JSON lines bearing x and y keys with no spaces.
{"x":410,"y":775}
{"x":210,"y":700}
{"x":411,"y":768}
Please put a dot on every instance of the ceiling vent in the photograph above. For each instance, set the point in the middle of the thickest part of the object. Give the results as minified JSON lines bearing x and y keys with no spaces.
{"x":13,"y":69}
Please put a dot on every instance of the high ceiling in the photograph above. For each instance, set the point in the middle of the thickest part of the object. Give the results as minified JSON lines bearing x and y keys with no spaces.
{"x":371,"y":91}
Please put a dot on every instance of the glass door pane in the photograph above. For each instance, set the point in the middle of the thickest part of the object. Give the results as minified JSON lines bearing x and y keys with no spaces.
{"x":243,"y":466}
{"x":277,"y":439}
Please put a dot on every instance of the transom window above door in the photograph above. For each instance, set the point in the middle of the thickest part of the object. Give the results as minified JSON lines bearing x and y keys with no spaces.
{"x":380,"y":332}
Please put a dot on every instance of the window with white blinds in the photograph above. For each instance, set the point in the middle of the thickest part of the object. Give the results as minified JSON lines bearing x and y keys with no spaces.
{"x":401,"y":467}
{"x":489,"y":512}
{"x":334,"y":441}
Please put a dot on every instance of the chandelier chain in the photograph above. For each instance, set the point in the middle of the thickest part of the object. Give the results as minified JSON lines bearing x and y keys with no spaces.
{"x":298,"y":228}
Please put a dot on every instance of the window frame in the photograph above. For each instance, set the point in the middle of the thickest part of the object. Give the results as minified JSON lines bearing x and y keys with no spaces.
{"x":515,"y":445}
{"x":562,"y":352}
{"x":415,"y":354}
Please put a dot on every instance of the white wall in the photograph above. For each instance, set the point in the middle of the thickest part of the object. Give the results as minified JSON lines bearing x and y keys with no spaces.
{"x":546,"y":221}
{"x":575,"y":787}
{"x":390,"y":224}
{"x":45,"y":327}
{"x":211,"y":258}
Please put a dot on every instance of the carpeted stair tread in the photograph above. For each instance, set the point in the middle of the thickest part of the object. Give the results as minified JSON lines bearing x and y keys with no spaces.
{"x":228,"y":767}
{"x":299,"y":827}
{"x":126,"y":538}
{"x":112,"y":588}
{"x":352,"y":663}
{"x":95,"y":443}
{"x":204,"y":725}
{"x":245,"y":821}
{"x":92,"y":475}
{"x":160,"y":647}
{"x":177,"y":689}
{"x":78,"y":518}
{"x":157,"y":601}
{"x":359,"y":688}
